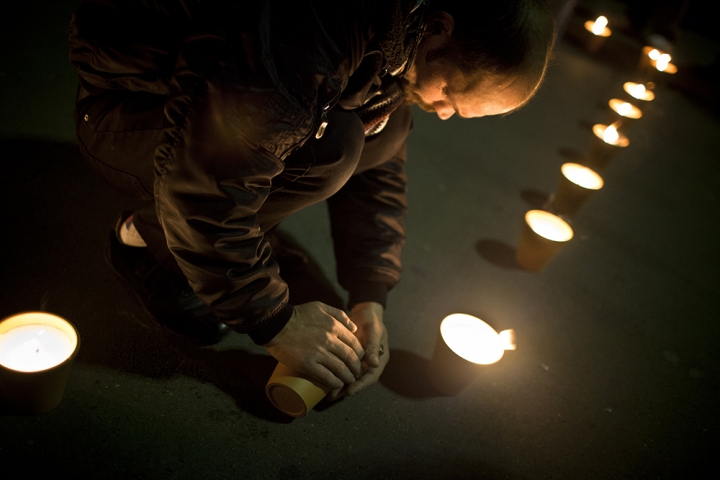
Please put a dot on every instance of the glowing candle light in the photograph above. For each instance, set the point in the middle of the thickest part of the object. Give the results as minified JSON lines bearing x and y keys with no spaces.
{"x":653,"y":58}
{"x":464,"y":345}
{"x":32,"y":348}
{"x":474,"y":340}
{"x":662,"y":62}
{"x":577,"y":184}
{"x":543,"y":235}
{"x":624,"y":109}
{"x":610,"y":135}
{"x":549,"y":226}
{"x":582,"y":176}
{"x":36,"y":351}
{"x":638,"y":91}
{"x":598,"y":27}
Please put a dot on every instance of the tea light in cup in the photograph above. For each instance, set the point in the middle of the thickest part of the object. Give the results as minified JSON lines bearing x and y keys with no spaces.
{"x":36,"y":352}
{"x":662,"y":64}
{"x":625,"y":112}
{"x":464,"y":344}
{"x":543,"y":236}
{"x":577,"y":184}
{"x":600,"y":32}
{"x":638,"y":91}
{"x":598,"y":27}
{"x":604,"y":144}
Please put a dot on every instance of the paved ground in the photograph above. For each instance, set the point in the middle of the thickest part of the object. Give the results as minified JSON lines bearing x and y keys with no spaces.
{"x":616,"y":372}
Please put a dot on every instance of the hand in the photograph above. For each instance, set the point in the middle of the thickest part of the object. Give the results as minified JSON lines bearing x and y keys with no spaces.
{"x":371,"y":331}
{"x":318,"y":341}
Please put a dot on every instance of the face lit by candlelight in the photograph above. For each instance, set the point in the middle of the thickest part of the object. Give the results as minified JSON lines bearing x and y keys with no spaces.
{"x":443,"y":89}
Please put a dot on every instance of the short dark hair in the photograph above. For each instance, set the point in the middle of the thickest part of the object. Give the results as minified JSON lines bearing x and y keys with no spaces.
{"x":498,"y":38}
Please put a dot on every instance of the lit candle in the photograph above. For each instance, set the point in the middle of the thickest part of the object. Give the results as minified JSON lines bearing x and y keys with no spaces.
{"x":604,"y":144}
{"x":577,"y":184}
{"x":662,"y":64}
{"x":549,"y":226}
{"x":464,"y":345}
{"x":638,"y":91}
{"x":543,"y":236}
{"x":35,"y":347}
{"x":653,"y":58}
{"x":610,"y":135}
{"x":36,"y":351}
{"x":474,"y":340}
{"x":598,"y":27}
{"x":599,"y":31}
{"x":582,"y":176}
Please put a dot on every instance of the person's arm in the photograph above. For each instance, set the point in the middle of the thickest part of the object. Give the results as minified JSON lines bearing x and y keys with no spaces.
{"x":367,"y":219}
{"x":214,"y":169}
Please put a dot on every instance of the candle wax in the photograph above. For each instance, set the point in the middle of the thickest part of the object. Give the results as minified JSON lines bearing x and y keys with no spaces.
{"x":34,"y":347}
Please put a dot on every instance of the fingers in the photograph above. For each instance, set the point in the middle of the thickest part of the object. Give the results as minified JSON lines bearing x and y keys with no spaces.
{"x":369,"y":378}
{"x":341,"y":317}
{"x":372,"y":346}
{"x":347,"y":337}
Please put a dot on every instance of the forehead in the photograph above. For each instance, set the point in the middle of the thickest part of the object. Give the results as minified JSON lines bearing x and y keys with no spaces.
{"x":483,"y":96}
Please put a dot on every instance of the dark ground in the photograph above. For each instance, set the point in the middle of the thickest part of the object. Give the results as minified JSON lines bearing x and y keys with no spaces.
{"x":616,"y":374}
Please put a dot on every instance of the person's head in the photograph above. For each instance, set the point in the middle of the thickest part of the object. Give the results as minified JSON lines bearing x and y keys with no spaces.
{"x":481,"y":58}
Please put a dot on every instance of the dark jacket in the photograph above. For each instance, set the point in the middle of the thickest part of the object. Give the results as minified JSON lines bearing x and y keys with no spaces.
{"x":247,"y":83}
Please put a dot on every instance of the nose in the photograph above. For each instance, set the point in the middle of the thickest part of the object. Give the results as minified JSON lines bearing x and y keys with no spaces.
{"x":444,"y":110}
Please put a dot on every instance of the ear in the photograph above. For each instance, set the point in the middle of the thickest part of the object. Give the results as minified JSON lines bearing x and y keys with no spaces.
{"x":440,"y":23}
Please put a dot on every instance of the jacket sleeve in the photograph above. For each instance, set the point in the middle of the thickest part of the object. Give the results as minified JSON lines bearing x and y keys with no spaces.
{"x":368,"y":223}
{"x":214,"y":169}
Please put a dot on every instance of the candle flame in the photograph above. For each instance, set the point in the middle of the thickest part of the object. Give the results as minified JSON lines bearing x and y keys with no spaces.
{"x":610,"y":135}
{"x":637,"y":90}
{"x":507,"y":339}
{"x":549,"y":226}
{"x":474,"y":340}
{"x":599,"y":25}
{"x":624,"y":109}
{"x":654,"y":54}
{"x":662,"y":62}
{"x":582,"y":176}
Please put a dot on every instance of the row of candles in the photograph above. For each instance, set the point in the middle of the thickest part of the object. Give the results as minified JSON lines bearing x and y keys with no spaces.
{"x":37,"y":349}
{"x":546,"y":231}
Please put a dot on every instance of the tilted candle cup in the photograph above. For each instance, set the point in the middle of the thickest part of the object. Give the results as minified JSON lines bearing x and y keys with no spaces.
{"x":36,"y":354}
{"x":598,"y":32}
{"x":465,"y":346}
{"x":605,"y":142}
{"x":577,"y":184}
{"x":292,"y":392}
{"x":623,"y":113}
{"x":543,"y":236}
